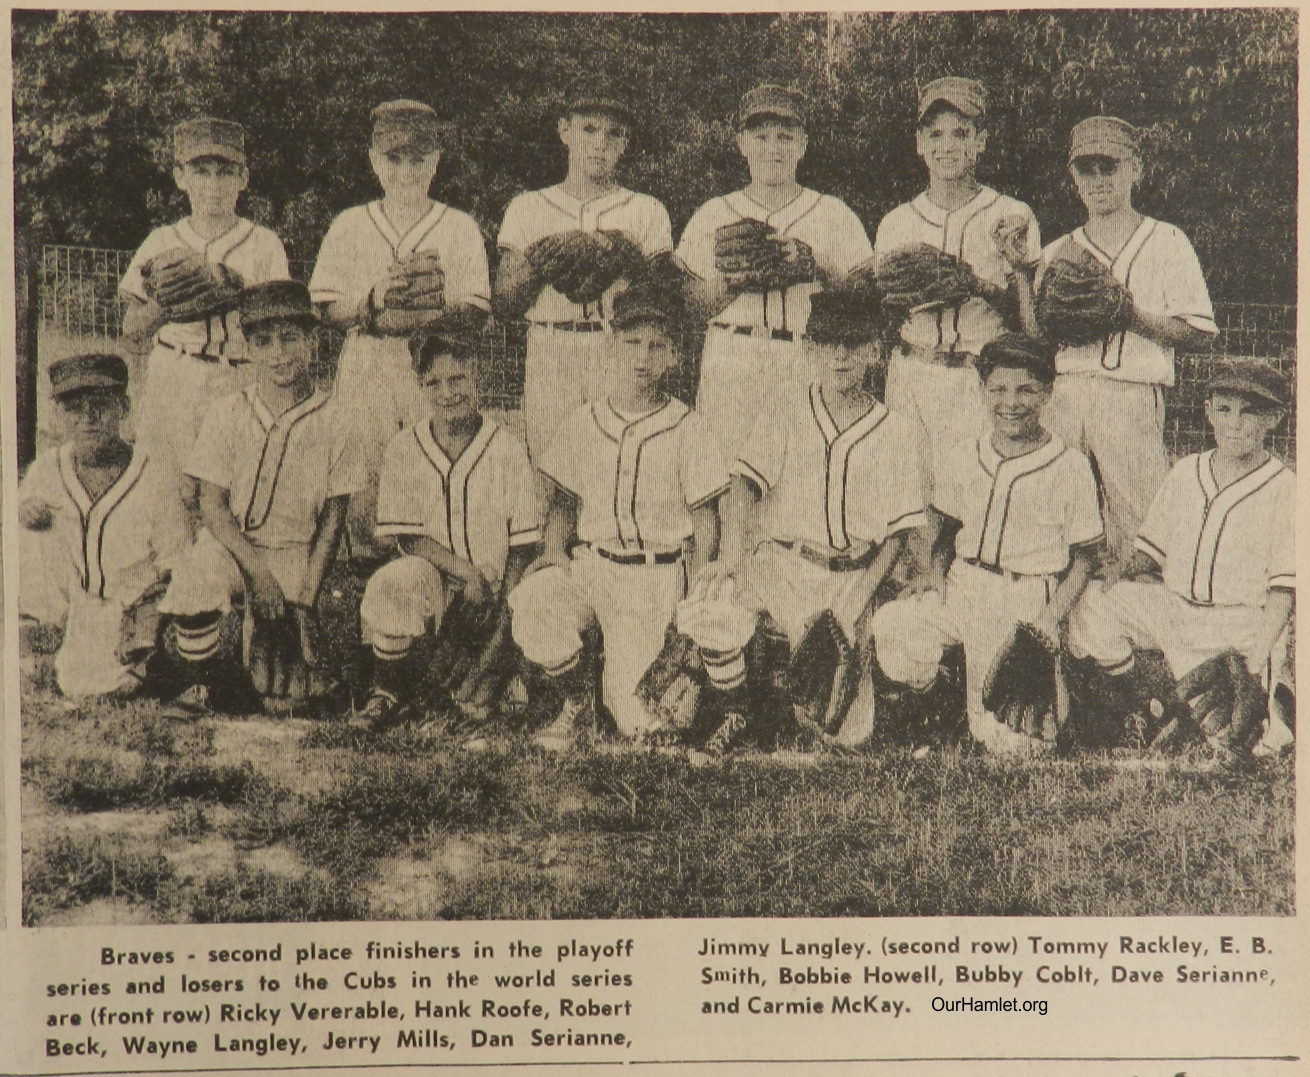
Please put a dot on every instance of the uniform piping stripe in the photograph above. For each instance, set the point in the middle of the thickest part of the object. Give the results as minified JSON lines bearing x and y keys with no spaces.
{"x":709,"y":497}
{"x":837,"y":454}
{"x":218,"y":253}
{"x":461,"y":474}
{"x":632,"y":442}
{"x":754,"y":474}
{"x":1008,"y":473}
{"x":276,"y":440}
{"x":804,"y":212}
{"x":1217,"y":510}
{"x":93,"y":516}
{"x":420,"y":231}
{"x":1134,"y":247}
{"x":384,"y":226}
{"x":906,"y":521}
{"x":1150,"y":549}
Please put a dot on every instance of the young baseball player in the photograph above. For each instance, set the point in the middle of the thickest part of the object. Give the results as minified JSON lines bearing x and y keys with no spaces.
{"x":568,"y":351}
{"x":276,"y":465}
{"x":753,"y":339}
{"x":1109,"y":396}
{"x":198,"y":353}
{"x":1021,"y":507}
{"x":635,"y":479}
{"x":824,"y":493}
{"x":931,"y":376}
{"x":365,"y":278}
{"x":458,"y":497}
{"x":1221,"y":532}
{"x":100,"y":527}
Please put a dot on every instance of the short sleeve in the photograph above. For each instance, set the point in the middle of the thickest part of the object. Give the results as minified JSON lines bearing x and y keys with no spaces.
{"x":561,"y":462}
{"x":467,"y":279}
{"x":275,"y":266}
{"x":334,"y":278}
{"x":909,"y":486}
{"x":1034,"y":234}
{"x":701,"y":466}
{"x":1186,"y":295}
{"x":211,"y":458}
{"x":347,"y":473}
{"x":132,"y":286}
{"x":657,"y":235}
{"x":1282,"y":557}
{"x":696,"y":247}
{"x":765,"y":451}
{"x":1082,"y":518}
{"x":400,"y":508}
{"x":523,"y":500}
{"x":515,"y":229}
{"x":170,"y":534}
{"x":848,"y":246}
{"x":1153,"y":537}
{"x":948,"y":495}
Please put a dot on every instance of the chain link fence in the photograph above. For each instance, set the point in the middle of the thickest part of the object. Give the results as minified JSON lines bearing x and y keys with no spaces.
{"x":78,"y":309}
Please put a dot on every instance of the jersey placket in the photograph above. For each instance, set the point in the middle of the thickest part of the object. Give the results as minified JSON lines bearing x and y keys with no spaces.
{"x":1005,"y":472}
{"x":953,"y":232}
{"x":1218,"y":505}
{"x":838,"y":446}
{"x":277,"y":437}
{"x":455,"y":476}
{"x":93,"y":516}
{"x":218,"y":331}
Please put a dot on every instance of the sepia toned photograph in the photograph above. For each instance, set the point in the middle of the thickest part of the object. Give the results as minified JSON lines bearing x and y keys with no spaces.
{"x":524,"y":466}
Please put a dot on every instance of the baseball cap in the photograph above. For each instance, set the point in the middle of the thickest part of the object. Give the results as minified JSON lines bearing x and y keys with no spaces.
{"x":277,"y":300}
{"x":772,"y":100}
{"x":1103,"y":136}
{"x":843,"y":318}
{"x":605,"y":102}
{"x":1017,"y":350}
{"x":646,"y":302}
{"x":1250,"y":378}
{"x":404,"y":124}
{"x":967,"y":96}
{"x":206,"y":136}
{"x":95,"y":370}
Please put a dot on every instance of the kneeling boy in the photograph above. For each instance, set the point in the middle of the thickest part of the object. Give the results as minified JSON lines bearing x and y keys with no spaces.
{"x":458,"y":497}
{"x":1023,"y":510}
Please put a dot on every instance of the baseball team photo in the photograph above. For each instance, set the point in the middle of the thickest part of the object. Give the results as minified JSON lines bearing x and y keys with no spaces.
{"x":526,"y":466}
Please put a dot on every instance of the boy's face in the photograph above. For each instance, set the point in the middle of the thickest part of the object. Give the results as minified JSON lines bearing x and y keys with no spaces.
{"x":595,"y":143}
{"x":842,"y":368}
{"x":950,"y":145}
{"x":1105,"y":184}
{"x":773,"y":150}
{"x":643,"y":354}
{"x":212,"y":184}
{"x":1015,"y":399}
{"x":283,"y":350}
{"x":93,"y":417}
{"x":451,"y":387}
{"x":1240,"y":424}
{"x":405,"y":171}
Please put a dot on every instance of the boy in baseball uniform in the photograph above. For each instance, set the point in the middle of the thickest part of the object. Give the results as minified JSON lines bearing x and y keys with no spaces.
{"x":635,"y":479}
{"x":931,"y":375}
{"x":1021,"y":508}
{"x":101,"y":525}
{"x":753,"y":337}
{"x":1221,"y":534}
{"x":458,"y":497}
{"x":1109,"y":395}
{"x":824,"y":492}
{"x":567,"y":362}
{"x":276,"y":465}
{"x":199,"y":355}
{"x":363,"y":283}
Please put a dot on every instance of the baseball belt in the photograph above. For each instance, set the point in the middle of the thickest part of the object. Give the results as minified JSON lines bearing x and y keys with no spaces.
{"x":636,"y":557}
{"x":573,"y":327}
{"x":940,"y":356}
{"x":755,"y":331}
{"x":1004,"y":573}
{"x":202,"y":356}
{"x":840,"y":562}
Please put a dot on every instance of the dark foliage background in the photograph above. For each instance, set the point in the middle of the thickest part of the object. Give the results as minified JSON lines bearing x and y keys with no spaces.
{"x":95,"y":94}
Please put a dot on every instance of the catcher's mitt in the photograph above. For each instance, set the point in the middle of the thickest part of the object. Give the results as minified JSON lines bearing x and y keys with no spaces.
{"x":671,"y":685}
{"x":418,"y":283}
{"x":823,"y":675}
{"x":189,"y":287}
{"x":1228,"y":703}
{"x":1022,"y":688}
{"x":920,"y":277}
{"x":1079,"y":301}
{"x":753,"y":257}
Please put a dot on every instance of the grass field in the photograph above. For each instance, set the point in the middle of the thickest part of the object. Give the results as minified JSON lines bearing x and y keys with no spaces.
{"x":132,"y":816}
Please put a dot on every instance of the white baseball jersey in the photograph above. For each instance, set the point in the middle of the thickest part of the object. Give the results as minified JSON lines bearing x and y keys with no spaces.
{"x":362,"y":244}
{"x":1161,"y":272}
{"x":831,"y":487}
{"x":637,"y":478}
{"x":279,"y":470}
{"x":1223,"y":547}
{"x":251,"y":251}
{"x":478,"y":506}
{"x":533,"y":215}
{"x":1021,"y":514}
{"x":832,"y":231}
{"x":966,"y":233}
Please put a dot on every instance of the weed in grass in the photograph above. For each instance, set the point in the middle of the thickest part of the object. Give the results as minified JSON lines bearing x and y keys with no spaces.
{"x":190,"y":821}
{"x":248,"y":895}
{"x":73,"y":871}
{"x":109,"y":780}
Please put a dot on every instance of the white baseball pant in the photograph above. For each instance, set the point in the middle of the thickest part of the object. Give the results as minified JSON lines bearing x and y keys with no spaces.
{"x":947,"y":402}
{"x":402,"y":599}
{"x":563,"y":370}
{"x":739,"y":375}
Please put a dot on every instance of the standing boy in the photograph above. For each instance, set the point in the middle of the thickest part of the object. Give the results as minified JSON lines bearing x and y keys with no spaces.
{"x":276,"y":466}
{"x":635,"y":479}
{"x":101,"y":526}
{"x":1022,"y":510}
{"x":931,"y":376}
{"x":459,"y":499}
{"x":1109,"y":396}
{"x":387,"y":270}
{"x":181,"y":288}
{"x":568,"y":348}
{"x":754,"y":259}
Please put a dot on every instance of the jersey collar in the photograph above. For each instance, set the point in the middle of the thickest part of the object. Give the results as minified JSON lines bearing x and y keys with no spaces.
{"x":1125,"y":256}
{"x":1253,"y":479}
{"x":992,"y":461}
{"x":218,"y":248}
{"x":575,"y":207}
{"x":828,"y":426}
{"x":783,"y":218}
{"x":267,"y":419}
{"x":409,"y":242}
{"x":437,"y":455}
{"x":934,"y":214}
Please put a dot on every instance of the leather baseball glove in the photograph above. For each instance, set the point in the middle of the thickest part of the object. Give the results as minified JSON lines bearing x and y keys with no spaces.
{"x":920,"y":277}
{"x":753,"y":257}
{"x":419,"y":283}
{"x":671,"y":685}
{"x":823,"y":675}
{"x":189,"y":287}
{"x":1079,"y":301}
{"x":1228,"y":703}
{"x":1021,"y":688}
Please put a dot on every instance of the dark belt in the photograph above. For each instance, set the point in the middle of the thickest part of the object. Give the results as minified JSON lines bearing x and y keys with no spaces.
{"x":945,"y":357}
{"x":996,"y":570}
{"x":668,"y":557}
{"x":840,"y":562}
{"x":200,"y":355}
{"x":573,"y":327}
{"x":755,"y":330}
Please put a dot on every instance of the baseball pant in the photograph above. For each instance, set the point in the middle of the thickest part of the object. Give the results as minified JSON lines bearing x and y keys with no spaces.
{"x":207,"y":578}
{"x":402,"y":600}
{"x":946,"y":402}
{"x":632,"y":604}
{"x":978,"y":609}
{"x":739,"y":375}
{"x":378,"y":395}
{"x":1109,"y":622}
{"x":562,"y":371}
{"x":1120,"y":425}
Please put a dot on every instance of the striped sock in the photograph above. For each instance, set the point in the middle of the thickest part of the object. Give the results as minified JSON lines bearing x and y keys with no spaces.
{"x":725,"y":669}
{"x":198,"y":637}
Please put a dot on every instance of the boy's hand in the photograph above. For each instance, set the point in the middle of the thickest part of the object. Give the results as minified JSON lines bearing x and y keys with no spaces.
{"x":307,"y":627}
{"x":713,"y":579}
{"x":548,"y":559}
{"x":1011,"y":237}
{"x":931,"y":580}
{"x":35,"y":514}
{"x":1048,"y":627}
{"x":476,"y":588}
{"x":266,"y":598}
